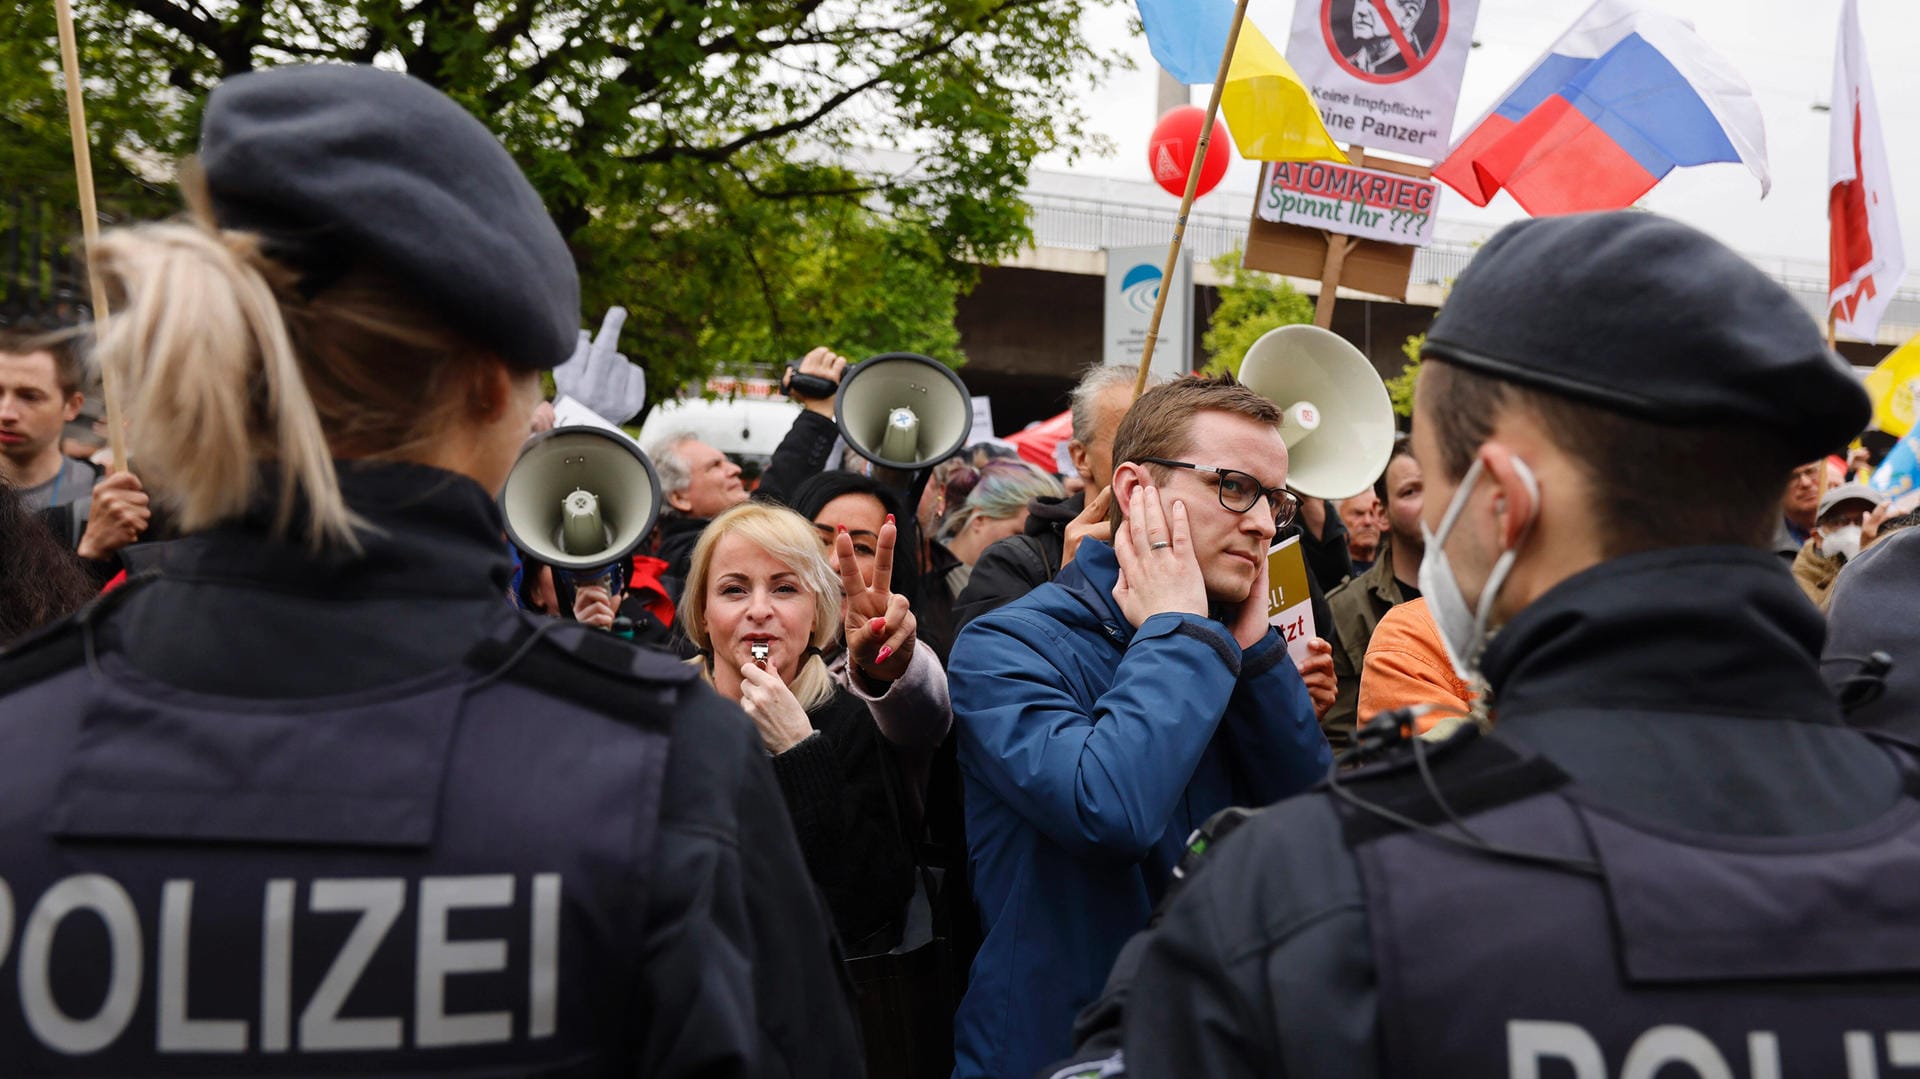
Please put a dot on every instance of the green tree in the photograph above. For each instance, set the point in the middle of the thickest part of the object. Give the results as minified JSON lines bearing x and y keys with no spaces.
{"x":709,"y":162}
{"x":1251,"y":303}
{"x":1400,"y":386}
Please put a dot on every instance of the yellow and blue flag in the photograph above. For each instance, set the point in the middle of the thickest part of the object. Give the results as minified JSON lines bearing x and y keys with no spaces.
{"x":1269,"y":111}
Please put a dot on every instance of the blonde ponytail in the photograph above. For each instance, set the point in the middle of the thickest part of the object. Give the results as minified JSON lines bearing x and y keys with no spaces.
{"x":212,"y":384}
{"x":225,"y":365}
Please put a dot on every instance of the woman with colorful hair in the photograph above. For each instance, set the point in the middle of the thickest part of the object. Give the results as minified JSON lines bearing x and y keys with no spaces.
{"x":995,"y":509}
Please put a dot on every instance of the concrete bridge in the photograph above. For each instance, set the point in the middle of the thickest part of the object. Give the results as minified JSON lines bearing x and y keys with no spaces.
{"x":1036,"y":320}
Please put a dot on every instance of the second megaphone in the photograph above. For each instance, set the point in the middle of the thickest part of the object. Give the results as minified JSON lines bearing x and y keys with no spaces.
{"x":580,"y":499}
{"x":1338,"y":419}
{"x":903,"y":410}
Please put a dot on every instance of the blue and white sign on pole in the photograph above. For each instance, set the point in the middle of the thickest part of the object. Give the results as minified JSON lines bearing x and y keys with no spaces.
{"x":1133,"y":287}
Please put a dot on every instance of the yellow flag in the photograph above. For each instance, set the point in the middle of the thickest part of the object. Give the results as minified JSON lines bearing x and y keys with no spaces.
{"x":1268,"y":109}
{"x":1893,"y":386}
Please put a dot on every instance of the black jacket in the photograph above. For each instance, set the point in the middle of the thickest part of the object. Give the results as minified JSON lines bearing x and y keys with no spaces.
{"x":1706,"y":717}
{"x":803,"y":452}
{"x":842,"y":790}
{"x":933,"y":602}
{"x":740,"y":978}
{"x":1012,"y":567}
{"x":1327,"y":557}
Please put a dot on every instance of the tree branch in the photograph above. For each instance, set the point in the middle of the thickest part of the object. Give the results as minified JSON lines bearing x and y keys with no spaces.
{"x":723,"y":151}
{"x":769,"y":194}
{"x":517,"y":24}
{"x":202,"y":32}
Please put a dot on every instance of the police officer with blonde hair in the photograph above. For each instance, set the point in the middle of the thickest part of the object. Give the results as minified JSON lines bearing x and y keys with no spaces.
{"x":313,"y":799}
{"x":1671,"y":855}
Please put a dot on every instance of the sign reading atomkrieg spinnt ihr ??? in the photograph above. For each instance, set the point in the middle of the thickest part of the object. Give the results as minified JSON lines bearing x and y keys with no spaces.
{"x":1358,"y":202}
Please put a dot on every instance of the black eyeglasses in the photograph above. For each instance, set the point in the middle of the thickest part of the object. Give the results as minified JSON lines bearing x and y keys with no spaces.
{"x":1239,"y":491}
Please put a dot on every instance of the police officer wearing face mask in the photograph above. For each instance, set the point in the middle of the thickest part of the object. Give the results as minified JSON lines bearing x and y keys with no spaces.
{"x":314,"y":799}
{"x":1670,"y":856}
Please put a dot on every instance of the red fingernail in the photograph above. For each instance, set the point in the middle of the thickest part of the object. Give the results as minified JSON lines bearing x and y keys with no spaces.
{"x":884,"y":653}
{"x":842,"y":528}
{"x":889,"y":518}
{"x":878,"y":625}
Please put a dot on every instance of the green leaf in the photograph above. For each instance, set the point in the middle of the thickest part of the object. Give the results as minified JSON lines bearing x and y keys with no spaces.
{"x":1251,"y":304}
{"x":702,"y":158}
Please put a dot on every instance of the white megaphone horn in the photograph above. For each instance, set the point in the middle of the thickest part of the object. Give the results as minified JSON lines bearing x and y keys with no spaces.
{"x":580,"y":499}
{"x":1337,"y":418}
{"x":903,"y":410}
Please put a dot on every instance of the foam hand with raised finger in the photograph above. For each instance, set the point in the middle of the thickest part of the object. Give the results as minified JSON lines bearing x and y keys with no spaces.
{"x":599,"y":377}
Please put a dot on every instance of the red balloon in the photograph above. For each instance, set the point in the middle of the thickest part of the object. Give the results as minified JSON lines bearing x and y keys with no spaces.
{"x":1170,"y":151}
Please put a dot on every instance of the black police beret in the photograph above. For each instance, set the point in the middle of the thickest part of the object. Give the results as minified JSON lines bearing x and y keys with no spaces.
{"x":338,"y":163}
{"x":1639,"y":314}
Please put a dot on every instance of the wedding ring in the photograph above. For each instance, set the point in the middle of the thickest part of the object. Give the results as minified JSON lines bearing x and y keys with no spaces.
{"x":1162,"y":543}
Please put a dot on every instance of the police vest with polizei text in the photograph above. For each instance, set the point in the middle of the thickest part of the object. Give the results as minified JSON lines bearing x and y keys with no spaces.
{"x":1709,"y":956}
{"x":448,"y":875}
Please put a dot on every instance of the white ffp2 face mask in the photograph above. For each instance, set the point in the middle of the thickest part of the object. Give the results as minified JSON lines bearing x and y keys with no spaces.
{"x":1463,"y":628}
{"x":1842,"y":542}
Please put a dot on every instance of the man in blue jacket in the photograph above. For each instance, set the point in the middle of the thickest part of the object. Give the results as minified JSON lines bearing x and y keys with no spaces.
{"x":1106,"y":715}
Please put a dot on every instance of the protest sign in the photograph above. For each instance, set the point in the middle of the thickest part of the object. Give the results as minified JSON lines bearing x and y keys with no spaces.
{"x":568,"y":412}
{"x":1368,"y":203}
{"x":1289,"y":603}
{"x":1385,"y":73}
{"x":982,"y":419}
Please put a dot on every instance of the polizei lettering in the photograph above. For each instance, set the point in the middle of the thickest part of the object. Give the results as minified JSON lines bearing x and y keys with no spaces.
{"x":1531,"y":1044}
{"x":89,"y":947}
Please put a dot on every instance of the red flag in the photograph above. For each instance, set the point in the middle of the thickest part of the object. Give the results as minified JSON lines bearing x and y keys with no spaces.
{"x":1866,"y":260}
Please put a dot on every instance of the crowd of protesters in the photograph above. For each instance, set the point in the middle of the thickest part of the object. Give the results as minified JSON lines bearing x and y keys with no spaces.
{"x":968,"y":749}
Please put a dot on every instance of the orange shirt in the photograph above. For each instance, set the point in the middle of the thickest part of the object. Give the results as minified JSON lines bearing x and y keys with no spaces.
{"x":1406,"y":665}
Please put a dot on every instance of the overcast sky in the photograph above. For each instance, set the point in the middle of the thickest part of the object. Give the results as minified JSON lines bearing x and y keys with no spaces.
{"x":1784,"y":49}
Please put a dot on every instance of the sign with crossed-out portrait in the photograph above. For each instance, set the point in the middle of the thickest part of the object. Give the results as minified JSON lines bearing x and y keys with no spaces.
{"x":1385,"y":73}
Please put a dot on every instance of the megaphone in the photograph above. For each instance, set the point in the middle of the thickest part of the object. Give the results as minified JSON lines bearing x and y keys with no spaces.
{"x":580,"y":499}
{"x":903,"y":410}
{"x":1337,"y":418}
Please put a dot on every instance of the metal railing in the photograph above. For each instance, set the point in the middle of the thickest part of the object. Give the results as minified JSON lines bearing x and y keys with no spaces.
{"x":1092,"y":224}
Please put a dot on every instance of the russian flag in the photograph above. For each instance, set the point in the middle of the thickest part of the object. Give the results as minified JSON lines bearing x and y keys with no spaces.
{"x":1618,"y":102}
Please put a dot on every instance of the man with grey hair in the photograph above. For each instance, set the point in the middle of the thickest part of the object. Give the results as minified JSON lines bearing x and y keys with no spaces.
{"x":698,"y":482}
{"x":1014,"y":566}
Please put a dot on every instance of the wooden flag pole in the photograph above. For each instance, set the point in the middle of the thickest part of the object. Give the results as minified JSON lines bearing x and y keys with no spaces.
{"x":1186,"y":201}
{"x":1338,"y":245}
{"x":89,"y":213}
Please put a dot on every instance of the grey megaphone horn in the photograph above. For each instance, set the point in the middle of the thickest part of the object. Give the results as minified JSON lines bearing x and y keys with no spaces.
{"x":580,"y":499}
{"x":903,"y":410}
{"x":1337,"y":418}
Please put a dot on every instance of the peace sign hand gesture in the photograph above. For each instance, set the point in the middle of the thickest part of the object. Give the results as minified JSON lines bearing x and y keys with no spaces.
{"x":879,"y":623}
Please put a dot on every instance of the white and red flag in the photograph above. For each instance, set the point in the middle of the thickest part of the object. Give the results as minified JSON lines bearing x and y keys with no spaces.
{"x":1867,"y":261}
